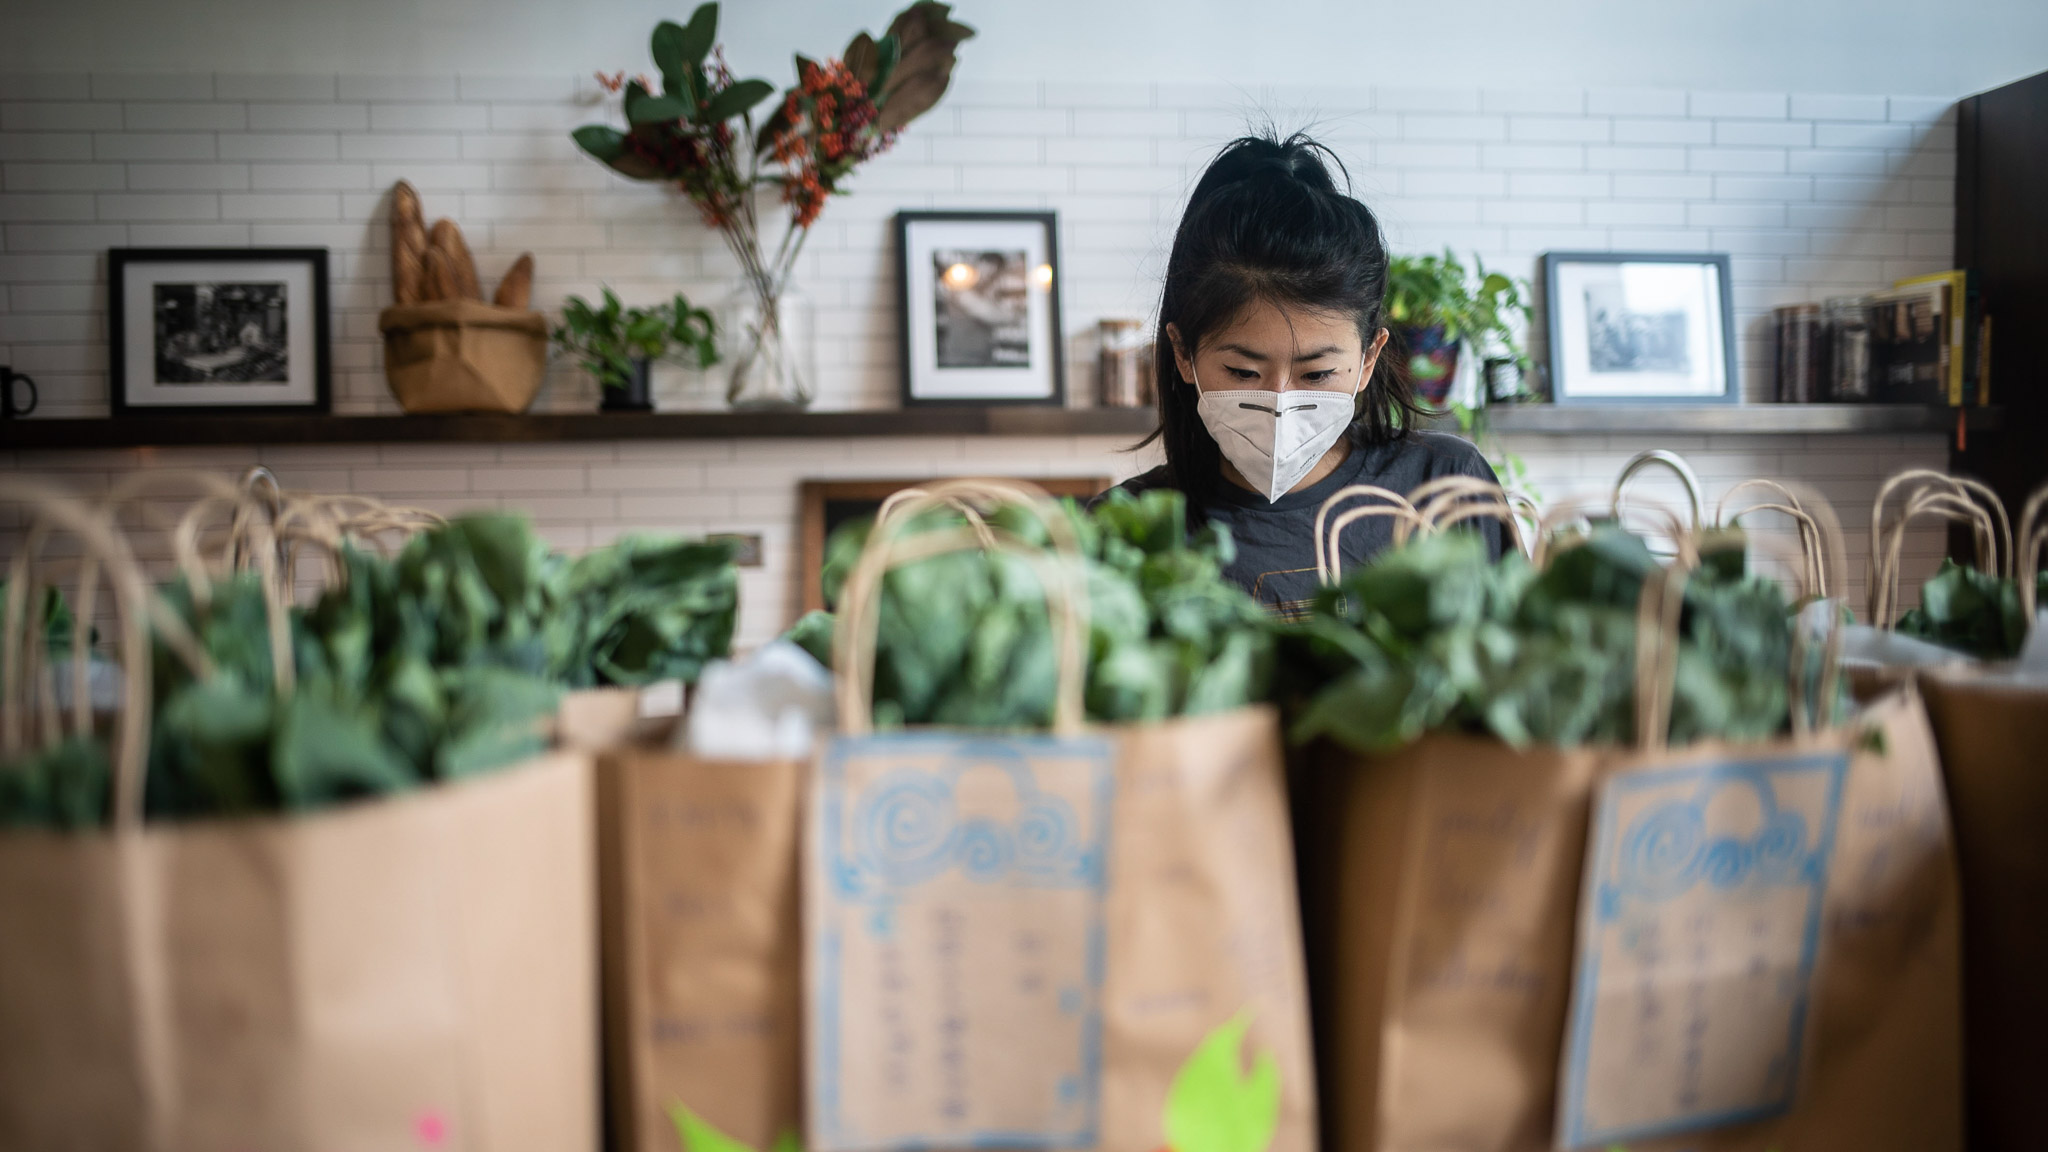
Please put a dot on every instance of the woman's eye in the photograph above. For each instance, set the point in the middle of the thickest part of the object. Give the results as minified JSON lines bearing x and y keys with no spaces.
{"x":1242,"y":373}
{"x":1322,"y":377}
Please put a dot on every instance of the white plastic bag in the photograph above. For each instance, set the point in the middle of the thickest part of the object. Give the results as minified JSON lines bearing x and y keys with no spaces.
{"x":768,"y":705}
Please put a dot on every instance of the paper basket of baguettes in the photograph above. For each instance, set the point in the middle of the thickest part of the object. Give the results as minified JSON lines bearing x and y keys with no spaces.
{"x":447,"y":349}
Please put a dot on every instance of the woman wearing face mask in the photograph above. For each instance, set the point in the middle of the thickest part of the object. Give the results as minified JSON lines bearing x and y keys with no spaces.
{"x":1276,"y":393}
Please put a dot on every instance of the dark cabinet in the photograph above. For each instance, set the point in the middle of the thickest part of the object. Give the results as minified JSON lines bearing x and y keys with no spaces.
{"x":2002,"y":234}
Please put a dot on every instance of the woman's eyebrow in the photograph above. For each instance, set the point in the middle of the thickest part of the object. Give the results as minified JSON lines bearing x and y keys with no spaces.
{"x":1261,"y":357}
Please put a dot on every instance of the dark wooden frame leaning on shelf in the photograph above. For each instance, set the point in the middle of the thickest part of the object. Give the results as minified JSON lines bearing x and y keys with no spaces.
{"x":823,"y":505}
{"x":120,"y":264}
{"x":918,"y":387}
{"x":1731,"y":383}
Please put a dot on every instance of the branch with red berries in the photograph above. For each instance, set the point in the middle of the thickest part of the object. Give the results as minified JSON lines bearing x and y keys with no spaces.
{"x":699,"y":132}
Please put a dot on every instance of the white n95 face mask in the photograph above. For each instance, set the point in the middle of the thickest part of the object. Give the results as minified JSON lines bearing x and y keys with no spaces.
{"x":1273,"y":438}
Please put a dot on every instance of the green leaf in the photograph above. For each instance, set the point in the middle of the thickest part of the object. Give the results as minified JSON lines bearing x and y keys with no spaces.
{"x":603,"y":143}
{"x":888,"y":51}
{"x":1215,"y":1107}
{"x":694,"y":43}
{"x":657,"y":109}
{"x":737,"y":100}
{"x":668,"y":49}
{"x":698,"y":1135}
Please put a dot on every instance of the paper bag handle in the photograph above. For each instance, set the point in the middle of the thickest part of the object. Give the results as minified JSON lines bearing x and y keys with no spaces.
{"x":1329,"y":559}
{"x":894,"y":545}
{"x":2033,"y":538}
{"x":1820,"y":530}
{"x":1888,"y":545}
{"x":1962,"y":504}
{"x":1670,"y":461}
{"x":138,"y":612}
{"x":1449,"y":500}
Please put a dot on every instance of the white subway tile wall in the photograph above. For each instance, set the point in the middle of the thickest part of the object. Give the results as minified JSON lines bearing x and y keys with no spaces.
{"x":1813,"y":195}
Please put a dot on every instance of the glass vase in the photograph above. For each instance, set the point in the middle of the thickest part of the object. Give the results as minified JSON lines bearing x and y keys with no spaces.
{"x":766,"y":346}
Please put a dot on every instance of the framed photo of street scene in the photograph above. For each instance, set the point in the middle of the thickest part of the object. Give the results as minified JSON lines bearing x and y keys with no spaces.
{"x":980,"y":316}
{"x":1640,"y":328}
{"x":218,"y":329}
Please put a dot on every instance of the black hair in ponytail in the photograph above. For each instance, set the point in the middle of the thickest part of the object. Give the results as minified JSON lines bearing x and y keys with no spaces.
{"x":1267,"y":223}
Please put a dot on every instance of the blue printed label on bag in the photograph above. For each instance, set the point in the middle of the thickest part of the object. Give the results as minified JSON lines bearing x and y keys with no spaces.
{"x":1699,"y":923}
{"x":956,"y":943}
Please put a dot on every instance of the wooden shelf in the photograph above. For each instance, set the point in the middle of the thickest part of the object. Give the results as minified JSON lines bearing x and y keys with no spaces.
{"x":153,"y":431}
{"x":1732,"y":419}
{"x":966,"y":420}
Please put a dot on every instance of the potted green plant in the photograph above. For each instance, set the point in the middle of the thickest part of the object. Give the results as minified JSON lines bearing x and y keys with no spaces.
{"x":1437,"y":307}
{"x":619,"y":345}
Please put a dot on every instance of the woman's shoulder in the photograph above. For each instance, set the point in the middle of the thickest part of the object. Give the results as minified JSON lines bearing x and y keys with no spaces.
{"x":1450,"y":455}
{"x":1137,"y":485}
{"x":1420,"y":457}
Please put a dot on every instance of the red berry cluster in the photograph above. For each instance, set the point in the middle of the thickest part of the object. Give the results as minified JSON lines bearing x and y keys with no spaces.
{"x":827,"y":128}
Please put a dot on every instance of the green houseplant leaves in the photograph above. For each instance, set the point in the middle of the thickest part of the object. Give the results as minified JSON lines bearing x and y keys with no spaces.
{"x":607,"y":338}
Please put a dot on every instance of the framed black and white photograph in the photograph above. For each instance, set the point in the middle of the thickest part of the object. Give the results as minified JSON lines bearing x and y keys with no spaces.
{"x":1633,"y":328}
{"x":241,"y":329}
{"x":980,"y":319}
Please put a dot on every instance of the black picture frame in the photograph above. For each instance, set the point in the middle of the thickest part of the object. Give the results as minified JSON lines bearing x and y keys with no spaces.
{"x":1556,"y":319}
{"x":918,"y":386}
{"x":122,"y":264}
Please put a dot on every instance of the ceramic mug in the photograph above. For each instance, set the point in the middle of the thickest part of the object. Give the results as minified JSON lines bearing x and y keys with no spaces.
{"x":8,"y":378}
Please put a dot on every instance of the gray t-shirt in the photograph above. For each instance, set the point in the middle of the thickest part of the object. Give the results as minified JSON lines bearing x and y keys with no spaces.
{"x":1276,"y":552}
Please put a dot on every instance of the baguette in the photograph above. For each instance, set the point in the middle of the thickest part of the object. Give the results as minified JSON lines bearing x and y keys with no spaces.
{"x":461,"y":267}
{"x":516,"y":289}
{"x":408,"y":245}
{"x":440,"y":284}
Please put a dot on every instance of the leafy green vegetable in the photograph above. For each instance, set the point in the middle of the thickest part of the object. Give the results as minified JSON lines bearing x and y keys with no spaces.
{"x":647,"y":609}
{"x":437,"y":664}
{"x":962,"y":639}
{"x":1436,"y":636}
{"x":1971,"y":611}
{"x":64,"y":786}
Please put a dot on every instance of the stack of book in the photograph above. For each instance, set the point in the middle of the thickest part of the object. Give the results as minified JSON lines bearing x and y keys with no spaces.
{"x":1922,"y":341}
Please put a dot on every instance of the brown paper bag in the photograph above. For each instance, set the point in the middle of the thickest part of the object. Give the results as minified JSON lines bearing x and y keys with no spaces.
{"x":698,"y":872}
{"x":919,"y":1005}
{"x":463,"y":356}
{"x":1442,"y":883}
{"x":1993,"y":735}
{"x":1203,"y":919}
{"x":697,"y":901}
{"x":597,"y":719}
{"x":1445,"y":946}
{"x":405,"y":972}
{"x":386,"y":974}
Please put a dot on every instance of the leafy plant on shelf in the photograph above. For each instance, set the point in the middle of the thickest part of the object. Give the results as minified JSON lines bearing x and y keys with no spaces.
{"x":609,"y":338}
{"x":1477,"y":308}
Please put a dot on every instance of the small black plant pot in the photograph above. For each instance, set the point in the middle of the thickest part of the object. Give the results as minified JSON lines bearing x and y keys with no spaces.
{"x":634,"y":396}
